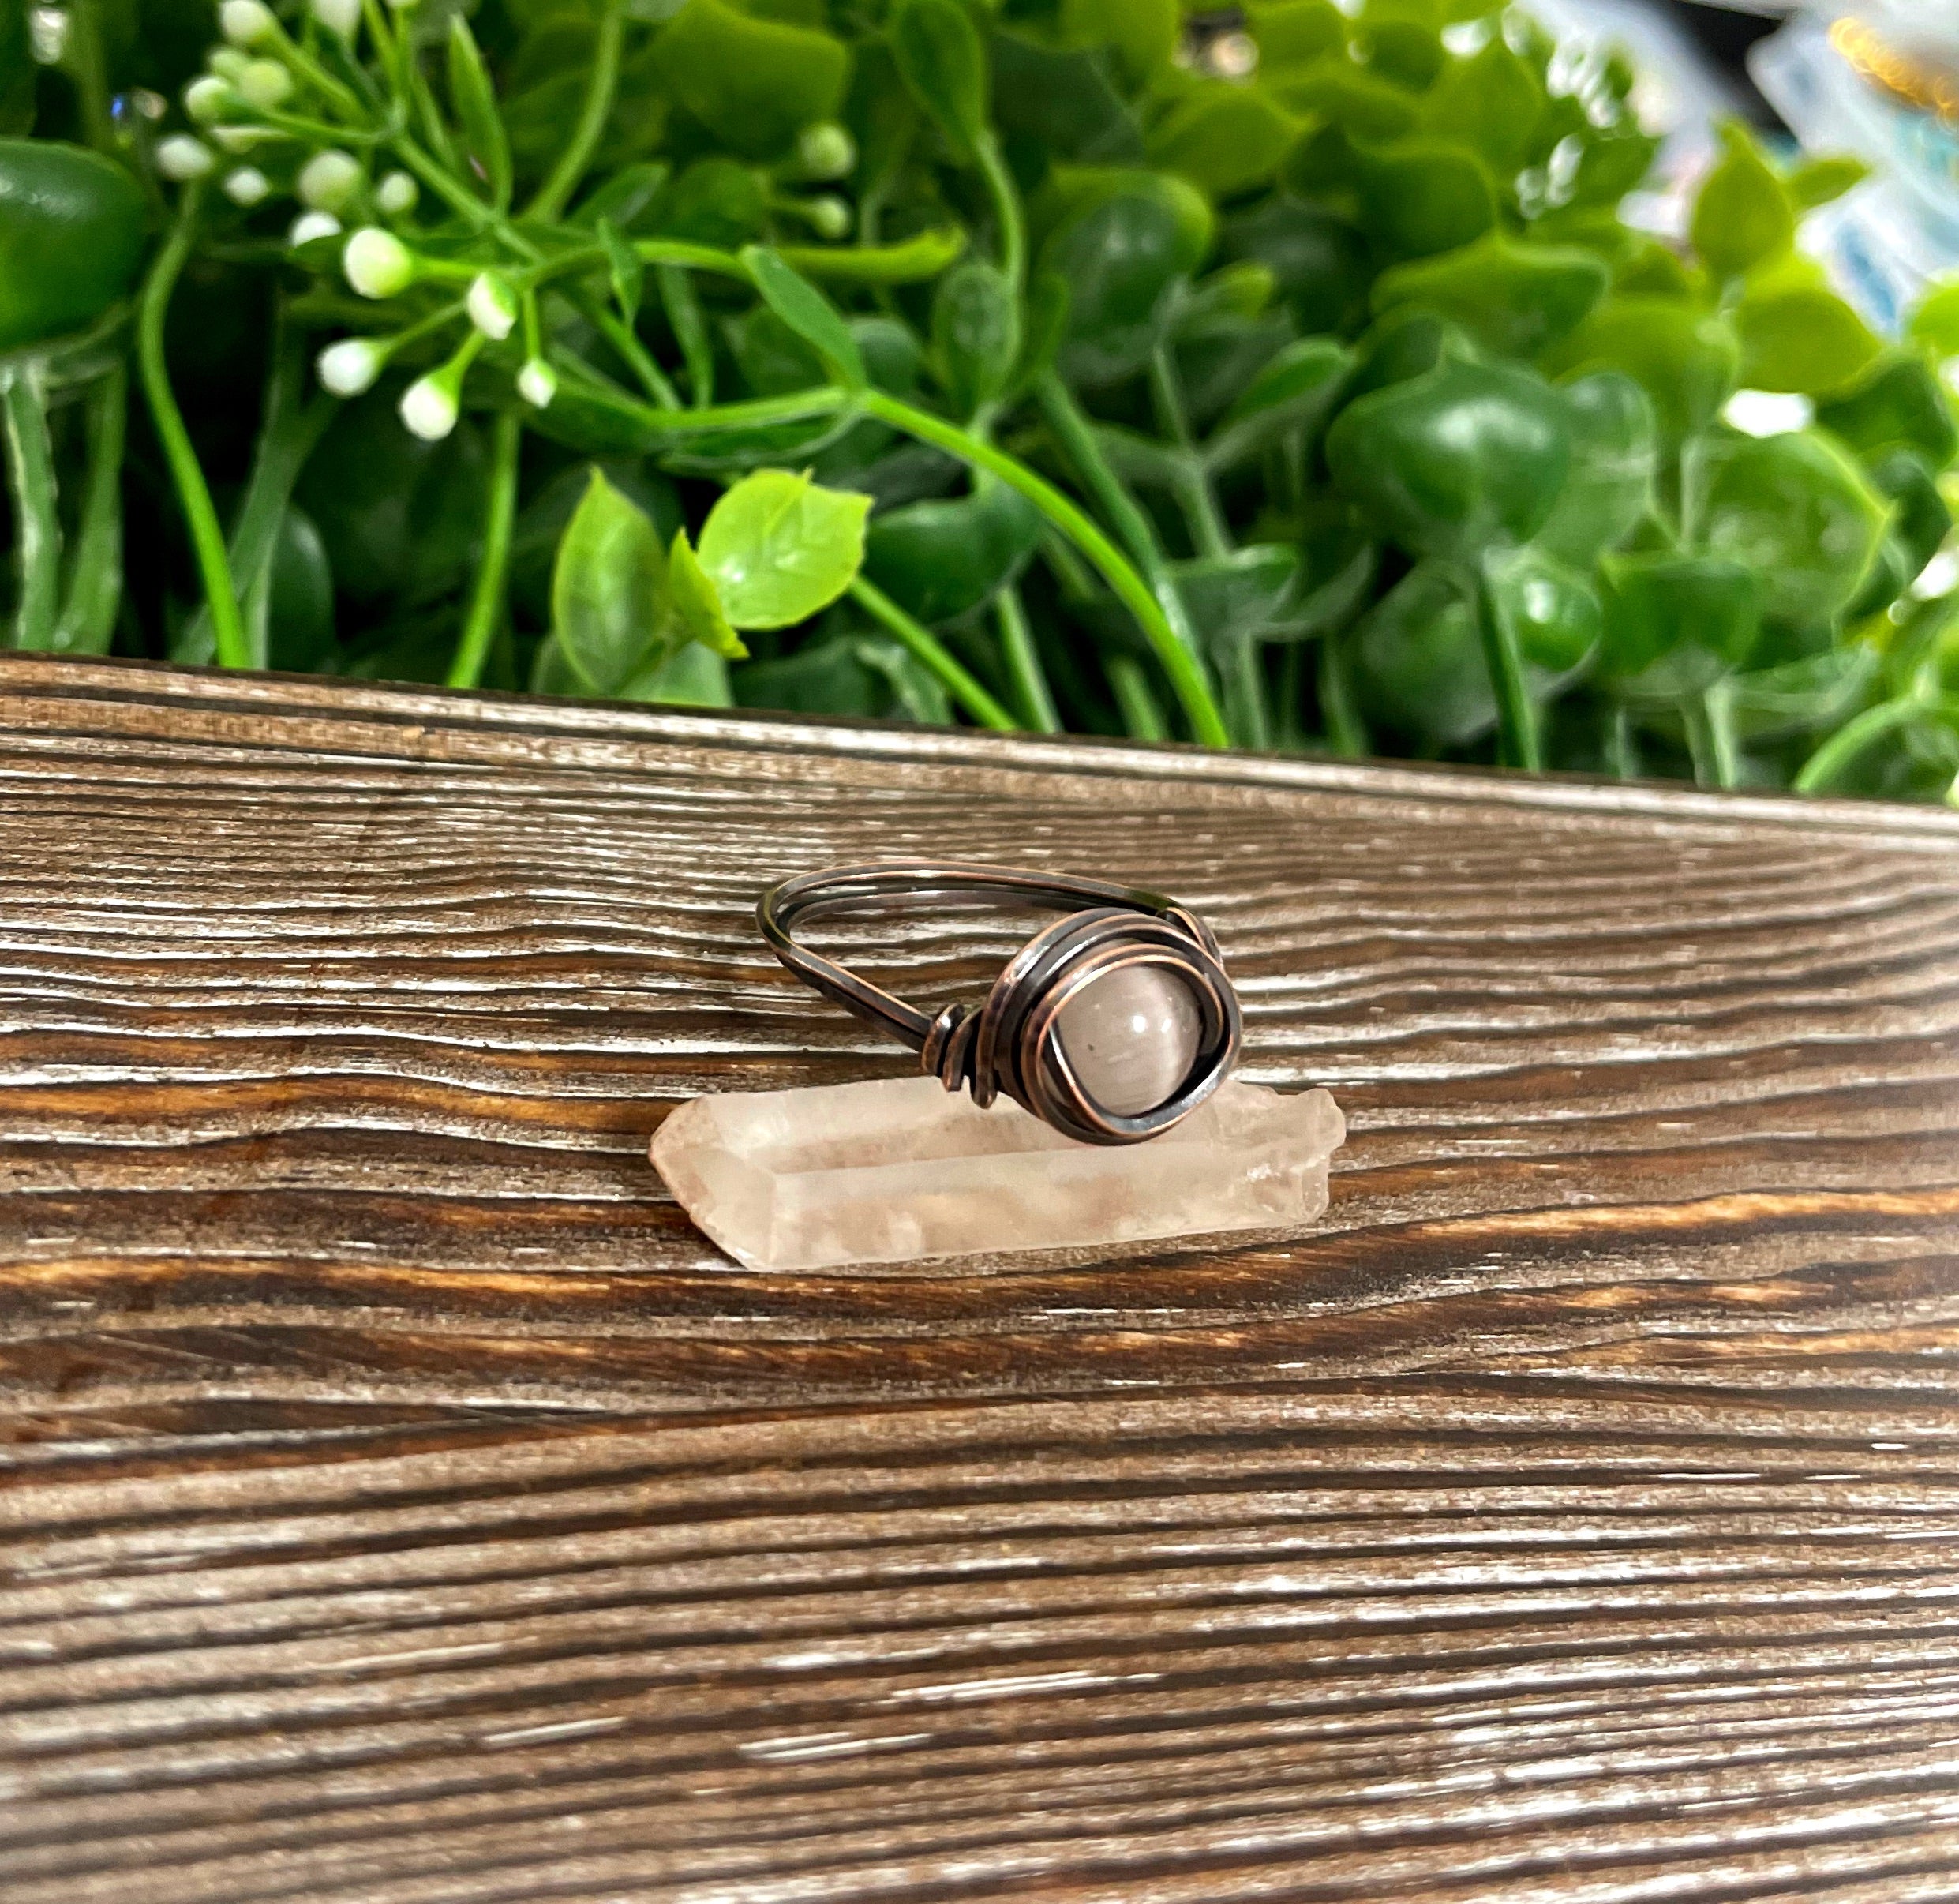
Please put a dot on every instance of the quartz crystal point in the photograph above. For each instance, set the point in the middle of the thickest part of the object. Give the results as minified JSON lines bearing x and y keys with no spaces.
{"x":900,"y":1169}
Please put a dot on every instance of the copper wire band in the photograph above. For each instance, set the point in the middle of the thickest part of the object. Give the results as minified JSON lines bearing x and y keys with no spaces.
{"x":1011,"y":1045}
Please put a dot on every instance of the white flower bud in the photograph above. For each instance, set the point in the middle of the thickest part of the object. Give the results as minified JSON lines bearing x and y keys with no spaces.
{"x":310,"y":227}
{"x":537,"y":383}
{"x":351,"y":365}
{"x":183,"y":158}
{"x":378,"y":263}
{"x":829,"y":217}
{"x":340,"y":17}
{"x":266,"y":85}
{"x":329,"y":181}
{"x":429,"y":407}
{"x":397,"y":194}
{"x":826,"y":150}
{"x":227,"y":62}
{"x":246,"y":185}
{"x":491,"y":305}
{"x":207,"y":98}
{"x":241,"y":138}
{"x":247,"y":23}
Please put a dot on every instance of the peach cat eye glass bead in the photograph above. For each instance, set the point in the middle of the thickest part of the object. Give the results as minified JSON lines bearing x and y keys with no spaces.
{"x":1112,"y":1025}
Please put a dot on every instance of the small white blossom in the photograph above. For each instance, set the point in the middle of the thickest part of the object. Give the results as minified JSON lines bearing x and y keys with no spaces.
{"x":397,"y":194}
{"x":266,"y":85}
{"x":378,"y":263}
{"x":241,"y":138}
{"x":351,"y":365}
{"x":183,"y":158}
{"x":491,"y":305}
{"x":829,"y":217}
{"x":208,"y":97}
{"x":537,"y":383}
{"x":227,"y":62}
{"x":340,"y":17}
{"x":826,"y":150}
{"x":246,"y":185}
{"x":247,"y":23}
{"x":329,"y":181}
{"x":312,"y":226}
{"x":428,"y":407}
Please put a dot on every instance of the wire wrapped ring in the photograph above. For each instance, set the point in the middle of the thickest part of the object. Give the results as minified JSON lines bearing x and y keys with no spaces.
{"x":1014,"y":1043}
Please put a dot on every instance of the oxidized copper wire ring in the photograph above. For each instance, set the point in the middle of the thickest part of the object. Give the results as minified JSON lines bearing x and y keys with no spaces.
{"x":1132,"y":980}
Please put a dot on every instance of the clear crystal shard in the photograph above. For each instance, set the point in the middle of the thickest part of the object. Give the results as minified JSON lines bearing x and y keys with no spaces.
{"x":899,"y":1170}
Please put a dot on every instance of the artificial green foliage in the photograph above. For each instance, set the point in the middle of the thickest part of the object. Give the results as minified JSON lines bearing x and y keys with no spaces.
{"x":1032,"y":364}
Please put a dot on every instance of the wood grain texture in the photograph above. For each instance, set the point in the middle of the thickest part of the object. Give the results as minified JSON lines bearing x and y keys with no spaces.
{"x":400,"y":1504}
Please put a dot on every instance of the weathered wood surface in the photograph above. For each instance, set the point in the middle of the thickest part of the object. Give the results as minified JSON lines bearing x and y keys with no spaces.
{"x":402,"y":1505}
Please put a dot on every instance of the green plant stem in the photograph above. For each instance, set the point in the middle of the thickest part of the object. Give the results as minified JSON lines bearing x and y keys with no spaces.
{"x":500,"y":516}
{"x":683,"y":307}
{"x":95,"y":583}
{"x":1135,"y":699}
{"x":193,"y":494}
{"x":83,"y":59}
{"x":1724,"y":754}
{"x":37,"y":535}
{"x":931,"y":652}
{"x":1520,"y":744}
{"x":1175,"y":654}
{"x":555,"y":192}
{"x":1619,"y":749}
{"x":1245,"y":698}
{"x":625,"y":340}
{"x":1006,"y":199}
{"x":1195,"y":497}
{"x":1023,"y":661}
{"x":1346,"y":734}
{"x":1849,"y":740}
{"x":751,"y":413}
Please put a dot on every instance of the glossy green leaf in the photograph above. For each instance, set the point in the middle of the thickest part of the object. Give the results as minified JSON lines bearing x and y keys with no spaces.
{"x":1611,"y":165}
{"x":1934,"y":323}
{"x":943,"y":64}
{"x":1513,"y":299}
{"x":1551,"y":611}
{"x":1686,"y":360}
{"x":716,"y":200}
{"x":1675,"y":624}
{"x":1295,"y":392}
{"x":975,"y":334}
{"x":1120,"y":258}
{"x":1615,"y":464}
{"x":807,"y":312}
{"x":1319,"y":262}
{"x":1464,"y":457}
{"x":1224,"y":137}
{"x":1743,"y":215}
{"x":1401,"y":40}
{"x":608,"y":588}
{"x":755,"y":82}
{"x":1818,"y":181}
{"x":1348,"y":100}
{"x":1419,"y":663}
{"x":1142,"y":34}
{"x":1063,"y":101}
{"x":1421,"y":195}
{"x":692,"y":677}
{"x":941,"y":560}
{"x":627,"y":197}
{"x":1796,"y":509}
{"x":697,"y":602}
{"x":777,"y":548}
{"x":626,"y":268}
{"x":473,"y":98}
{"x":1798,"y":334}
{"x":1294,"y":32}
{"x":71,"y":237}
{"x":1241,"y":597}
{"x":1898,"y":404}
{"x":1491,"y":100}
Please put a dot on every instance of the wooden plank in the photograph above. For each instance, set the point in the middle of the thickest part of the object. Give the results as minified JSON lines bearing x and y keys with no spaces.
{"x":400,"y":1504}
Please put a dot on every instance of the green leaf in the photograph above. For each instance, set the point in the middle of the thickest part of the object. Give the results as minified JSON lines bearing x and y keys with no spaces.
{"x":1935,"y":323}
{"x":1794,"y":509}
{"x":1142,"y":34}
{"x":1295,"y":32}
{"x":608,"y":589}
{"x":1492,"y":100}
{"x":1241,"y":597}
{"x":694,"y":676}
{"x":1515,"y":299}
{"x":975,"y":334}
{"x":1743,"y":216}
{"x":716,"y":200}
{"x":777,"y":548}
{"x":755,"y":83}
{"x":1798,"y":334}
{"x":1899,"y":404}
{"x":627,"y":268}
{"x":1817,"y":182}
{"x":1677,"y":624}
{"x":1466,"y":456}
{"x":1686,"y":360}
{"x":1421,"y":196}
{"x":944,"y":67}
{"x":1121,"y":258}
{"x":697,"y":603}
{"x":1063,"y":101}
{"x":1550,"y":610}
{"x":1614,"y":462}
{"x":941,"y":560}
{"x":473,"y":98}
{"x":1419,"y":661}
{"x":807,"y":312}
{"x":1225,"y":138}
{"x":625,"y":198}
{"x":1296,"y":391}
